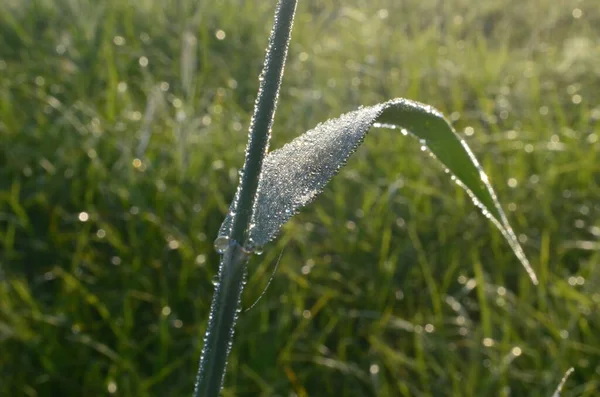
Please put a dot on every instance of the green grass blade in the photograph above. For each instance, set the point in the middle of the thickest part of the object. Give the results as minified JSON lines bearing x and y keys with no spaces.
{"x":295,"y":174}
{"x":562,"y":382}
{"x":439,"y":138}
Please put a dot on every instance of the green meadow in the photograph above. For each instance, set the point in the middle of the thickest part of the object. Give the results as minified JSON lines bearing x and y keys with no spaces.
{"x":123,"y":126}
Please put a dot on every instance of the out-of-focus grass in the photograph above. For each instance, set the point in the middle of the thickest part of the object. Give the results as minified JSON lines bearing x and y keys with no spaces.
{"x":122,"y":125}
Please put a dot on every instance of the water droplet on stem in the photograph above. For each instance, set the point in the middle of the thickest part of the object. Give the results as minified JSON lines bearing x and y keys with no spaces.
{"x":221,"y":244}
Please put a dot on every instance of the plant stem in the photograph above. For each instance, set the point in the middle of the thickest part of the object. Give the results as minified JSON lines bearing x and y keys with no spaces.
{"x":232,"y":270}
{"x":224,"y":311}
{"x":264,"y":112}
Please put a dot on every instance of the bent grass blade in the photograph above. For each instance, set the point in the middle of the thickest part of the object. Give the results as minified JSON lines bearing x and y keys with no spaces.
{"x":562,"y":382}
{"x":295,"y":174}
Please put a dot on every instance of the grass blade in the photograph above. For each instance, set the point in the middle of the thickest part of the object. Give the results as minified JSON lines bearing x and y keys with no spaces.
{"x":562,"y":382}
{"x":295,"y":174}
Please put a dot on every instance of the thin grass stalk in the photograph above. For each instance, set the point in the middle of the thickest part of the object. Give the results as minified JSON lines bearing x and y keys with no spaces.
{"x":264,"y":113}
{"x":225,"y":305}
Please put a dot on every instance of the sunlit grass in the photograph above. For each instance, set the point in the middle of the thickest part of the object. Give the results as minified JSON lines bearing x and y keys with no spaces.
{"x":390,"y":284}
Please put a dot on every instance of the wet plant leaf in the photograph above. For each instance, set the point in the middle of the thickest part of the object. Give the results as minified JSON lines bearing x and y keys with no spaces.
{"x":295,"y":174}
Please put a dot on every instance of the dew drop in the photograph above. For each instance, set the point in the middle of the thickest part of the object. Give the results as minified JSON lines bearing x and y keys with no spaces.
{"x":112,"y":387}
{"x":258,"y":250}
{"x":215,"y":281}
{"x":221,"y":244}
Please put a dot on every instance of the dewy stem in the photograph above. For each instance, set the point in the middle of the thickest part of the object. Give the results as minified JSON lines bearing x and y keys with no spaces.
{"x":232,"y":270}
{"x":262,"y":120}
{"x":224,"y":311}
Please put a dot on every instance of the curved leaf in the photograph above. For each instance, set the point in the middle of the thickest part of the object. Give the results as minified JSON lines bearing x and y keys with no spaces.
{"x":295,"y":174}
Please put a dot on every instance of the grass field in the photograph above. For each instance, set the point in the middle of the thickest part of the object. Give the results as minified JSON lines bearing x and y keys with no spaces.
{"x":123,"y":125}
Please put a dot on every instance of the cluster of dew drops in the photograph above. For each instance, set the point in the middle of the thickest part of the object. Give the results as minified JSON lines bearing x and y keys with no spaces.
{"x":222,"y":243}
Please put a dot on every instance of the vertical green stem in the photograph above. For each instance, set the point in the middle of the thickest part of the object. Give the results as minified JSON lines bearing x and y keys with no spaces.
{"x":232,"y":270}
{"x":264,"y":112}
{"x":224,"y":311}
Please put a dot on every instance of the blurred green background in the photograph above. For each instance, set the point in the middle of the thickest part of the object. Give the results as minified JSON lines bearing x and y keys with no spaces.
{"x":122,"y":127}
